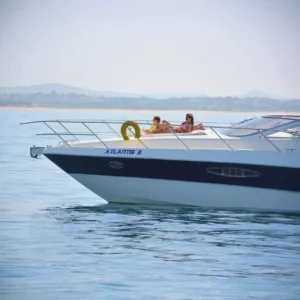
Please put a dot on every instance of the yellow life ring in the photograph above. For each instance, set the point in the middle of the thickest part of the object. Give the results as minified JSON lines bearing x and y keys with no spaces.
{"x":135,"y":126}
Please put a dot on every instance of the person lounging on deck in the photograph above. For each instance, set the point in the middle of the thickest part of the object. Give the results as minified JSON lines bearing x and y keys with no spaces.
{"x":157,"y":127}
{"x":187,"y":126}
{"x":190,"y":121}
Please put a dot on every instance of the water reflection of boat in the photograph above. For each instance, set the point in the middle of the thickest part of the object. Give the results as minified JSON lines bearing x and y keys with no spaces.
{"x":251,"y":165}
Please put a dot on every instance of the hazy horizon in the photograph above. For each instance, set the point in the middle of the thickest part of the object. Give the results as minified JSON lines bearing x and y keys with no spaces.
{"x":63,"y":88}
{"x":213,"y":47}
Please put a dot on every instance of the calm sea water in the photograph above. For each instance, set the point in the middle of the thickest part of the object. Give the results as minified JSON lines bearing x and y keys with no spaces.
{"x":58,"y":241}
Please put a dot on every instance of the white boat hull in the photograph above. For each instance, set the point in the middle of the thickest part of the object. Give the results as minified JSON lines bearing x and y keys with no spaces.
{"x":169,"y":192}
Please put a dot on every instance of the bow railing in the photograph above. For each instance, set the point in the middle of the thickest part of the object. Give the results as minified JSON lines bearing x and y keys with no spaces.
{"x":113,"y":127}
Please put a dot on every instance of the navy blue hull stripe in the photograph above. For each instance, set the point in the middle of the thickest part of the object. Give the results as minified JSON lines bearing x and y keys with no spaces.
{"x":279,"y":178}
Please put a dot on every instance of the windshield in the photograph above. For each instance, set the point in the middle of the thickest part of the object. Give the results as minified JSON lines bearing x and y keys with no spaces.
{"x":259,"y":123}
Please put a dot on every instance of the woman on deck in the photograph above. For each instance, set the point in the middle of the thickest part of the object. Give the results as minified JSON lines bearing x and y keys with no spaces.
{"x":187,"y":126}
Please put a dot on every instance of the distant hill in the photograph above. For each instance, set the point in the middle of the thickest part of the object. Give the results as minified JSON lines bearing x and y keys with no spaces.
{"x":175,"y":96}
{"x":45,"y":89}
{"x":66,"y":89}
{"x":261,"y":94}
{"x":63,"y":100}
{"x":63,"y":96}
{"x":48,"y":88}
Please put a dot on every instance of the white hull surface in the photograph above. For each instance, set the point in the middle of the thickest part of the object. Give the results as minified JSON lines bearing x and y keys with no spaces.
{"x":169,"y":192}
{"x":221,"y":179}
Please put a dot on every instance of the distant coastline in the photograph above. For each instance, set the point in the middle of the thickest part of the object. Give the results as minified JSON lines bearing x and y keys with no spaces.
{"x":55,"y":100}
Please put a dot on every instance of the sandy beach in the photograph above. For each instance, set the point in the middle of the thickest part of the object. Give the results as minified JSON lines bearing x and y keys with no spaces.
{"x":148,"y":111}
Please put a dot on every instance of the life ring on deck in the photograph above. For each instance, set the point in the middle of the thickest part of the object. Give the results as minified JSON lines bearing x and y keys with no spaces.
{"x":135,"y":126}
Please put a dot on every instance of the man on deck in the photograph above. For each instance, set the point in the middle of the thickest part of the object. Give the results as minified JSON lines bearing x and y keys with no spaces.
{"x":156,"y":127}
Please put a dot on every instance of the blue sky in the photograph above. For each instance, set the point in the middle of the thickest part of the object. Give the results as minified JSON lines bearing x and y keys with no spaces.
{"x":216,"y":47}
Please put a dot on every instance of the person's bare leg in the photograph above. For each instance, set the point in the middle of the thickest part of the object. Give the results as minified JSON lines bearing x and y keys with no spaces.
{"x":200,"y":127}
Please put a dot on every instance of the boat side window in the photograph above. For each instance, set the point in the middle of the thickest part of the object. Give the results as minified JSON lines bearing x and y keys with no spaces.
{"x":232,"y":172}
{"x":239,"y":172}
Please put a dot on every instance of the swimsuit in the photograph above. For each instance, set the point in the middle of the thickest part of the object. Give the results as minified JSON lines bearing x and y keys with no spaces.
{"x":184,"y":128}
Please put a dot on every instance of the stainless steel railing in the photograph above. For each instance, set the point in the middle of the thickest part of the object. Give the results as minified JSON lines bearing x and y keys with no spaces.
{"x":109,"y":124}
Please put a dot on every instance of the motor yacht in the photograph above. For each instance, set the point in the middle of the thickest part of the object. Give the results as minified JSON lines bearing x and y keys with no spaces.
{"x":254,"y":164}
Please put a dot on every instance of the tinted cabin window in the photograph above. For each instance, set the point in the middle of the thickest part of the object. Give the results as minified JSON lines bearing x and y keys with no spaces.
{"x":233,"y":172}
